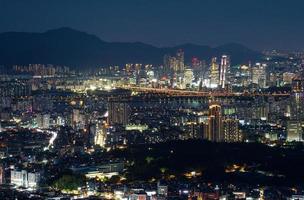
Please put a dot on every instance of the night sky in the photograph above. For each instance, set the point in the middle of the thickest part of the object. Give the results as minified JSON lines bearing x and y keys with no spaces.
{"x":259,"y":24}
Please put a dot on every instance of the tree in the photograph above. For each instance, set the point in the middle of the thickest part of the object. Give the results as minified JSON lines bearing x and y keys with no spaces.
{"x":69,"y":182}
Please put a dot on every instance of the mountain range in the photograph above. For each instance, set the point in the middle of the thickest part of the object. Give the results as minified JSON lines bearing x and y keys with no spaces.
{"x":66,"y":46}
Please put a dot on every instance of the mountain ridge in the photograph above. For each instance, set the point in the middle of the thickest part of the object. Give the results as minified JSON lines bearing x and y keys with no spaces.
{"x":66,"y":46}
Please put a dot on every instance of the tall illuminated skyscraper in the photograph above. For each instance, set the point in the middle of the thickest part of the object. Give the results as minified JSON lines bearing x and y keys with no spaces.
{"x":259,"y":75}
{"x":225,"y":70}
{"x":180,"y":58}
{"x":173,"y":64}
{"x":214,"y":73}
{"x":168,"y":66}
{"x":214,"y":132}
{"x":188,"y":77}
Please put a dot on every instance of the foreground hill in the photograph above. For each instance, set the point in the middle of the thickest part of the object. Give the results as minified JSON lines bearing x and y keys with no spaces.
{"x":249,"y":163}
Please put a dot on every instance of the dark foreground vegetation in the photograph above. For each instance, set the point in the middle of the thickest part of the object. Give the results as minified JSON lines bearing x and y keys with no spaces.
{"x":248,"y":163}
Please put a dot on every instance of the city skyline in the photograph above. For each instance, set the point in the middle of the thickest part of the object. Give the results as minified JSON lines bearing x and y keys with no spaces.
{"x":88,"y":112}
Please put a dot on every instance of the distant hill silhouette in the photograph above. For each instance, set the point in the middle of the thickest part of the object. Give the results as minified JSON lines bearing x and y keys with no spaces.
{"x":65,"y":46}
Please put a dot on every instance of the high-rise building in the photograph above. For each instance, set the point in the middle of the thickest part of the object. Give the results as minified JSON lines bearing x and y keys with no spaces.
{"x":75,"y":116}
{"x":101,"y":133}
{"x":188,"y":77}
{"x":294,"y":131}
{"x":175,"y":64}
{"x":196,"y":64}
{"x":77,"y":119}
{"x":231,"y":132}
{"x":170,"y":64}
{"x":259,"y":75}
{"x":180,"y":58}
{"x":276,"y":79}
{"x":225,"y":70}
{"x":214,"y":73}
{"x":296,"y":102}
{"x":298,"y":84}
{"x":118,"y":112}
{"x":25,"y":179}
{"x":167,"y":64}
{"x":2,"y":174}
{"x":288,"y":77}
{"x":214,"y":132}
{"x":43,"y":121}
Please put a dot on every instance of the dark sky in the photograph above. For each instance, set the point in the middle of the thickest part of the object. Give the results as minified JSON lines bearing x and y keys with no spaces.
{"x":258,"y":24}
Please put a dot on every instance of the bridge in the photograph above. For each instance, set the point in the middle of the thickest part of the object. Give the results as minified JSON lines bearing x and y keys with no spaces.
{"x":191,"y":93}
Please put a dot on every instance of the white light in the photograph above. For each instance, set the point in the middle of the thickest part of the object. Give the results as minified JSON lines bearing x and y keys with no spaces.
{"x":93,"y":87}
